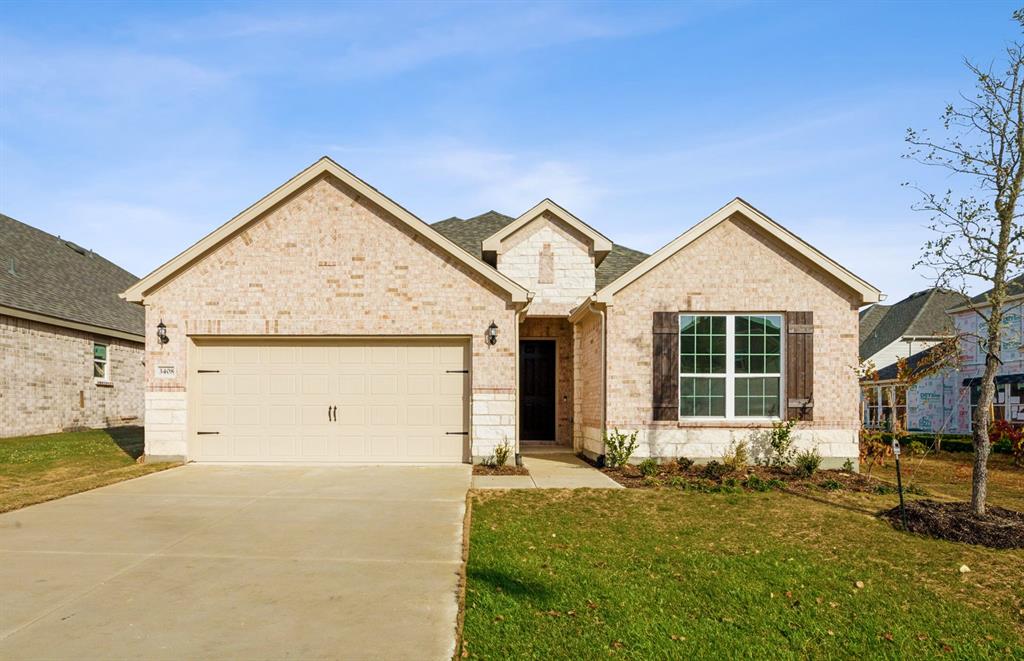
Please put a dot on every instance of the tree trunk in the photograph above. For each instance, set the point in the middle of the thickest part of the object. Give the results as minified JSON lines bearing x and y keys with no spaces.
{"x":981,"y":423}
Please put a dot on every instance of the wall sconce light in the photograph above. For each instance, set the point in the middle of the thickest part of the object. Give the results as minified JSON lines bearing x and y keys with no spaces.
{"x":492,"y":334}
{"x":161,"y":333}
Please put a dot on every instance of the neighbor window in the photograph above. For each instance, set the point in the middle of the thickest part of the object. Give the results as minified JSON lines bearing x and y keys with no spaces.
{"x":100,"y":364}
{"x":885,"y":407}
{"x":730,"y":366}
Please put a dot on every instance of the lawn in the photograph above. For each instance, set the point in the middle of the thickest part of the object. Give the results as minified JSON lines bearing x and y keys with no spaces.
{"x":34,"y":469}
{"x":641,"y":573}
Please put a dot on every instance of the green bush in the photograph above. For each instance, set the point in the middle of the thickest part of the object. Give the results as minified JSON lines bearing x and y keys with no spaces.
{"x":807,"y":462}
{"x":714,"y":470}
{"x":780,"y":452}
{"x":848,"y":465}
{"x":619,"y":448}
{"x":648,"y":467}
{"x":831,"y":484}
{"x":884,"y":489}
{"x":502,"y":453}
{"x":677,"y":482}
{"x":684,"y":463}
{"x":737,"y":455}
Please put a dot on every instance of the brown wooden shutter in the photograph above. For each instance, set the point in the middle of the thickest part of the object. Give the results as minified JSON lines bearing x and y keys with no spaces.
{"x":665,"y":400}
{"x":799,"y":366}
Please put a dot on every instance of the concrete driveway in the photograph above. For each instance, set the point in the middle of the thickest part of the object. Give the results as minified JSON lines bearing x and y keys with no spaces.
{"x":239,"y":562}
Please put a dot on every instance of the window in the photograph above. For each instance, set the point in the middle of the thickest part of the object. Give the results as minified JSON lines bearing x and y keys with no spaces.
{"x":100,"y":364}
{"x":730,"y":366}
{"x":885,"y":407}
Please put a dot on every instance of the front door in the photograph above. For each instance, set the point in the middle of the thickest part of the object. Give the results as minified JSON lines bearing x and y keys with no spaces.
{"x":537,"y":390}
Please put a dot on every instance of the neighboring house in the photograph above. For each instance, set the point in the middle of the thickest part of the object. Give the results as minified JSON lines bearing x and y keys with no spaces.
{"x":905,"y":330}
{"x":71,"y":351}
{"x":326,"y":323}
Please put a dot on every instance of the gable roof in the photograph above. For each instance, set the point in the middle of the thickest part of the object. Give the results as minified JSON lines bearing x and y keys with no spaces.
{"x":602,"y":245}
{"x":46,"y":278}
{"x":1014,"y":292}
{"x":920,"y":315}
{"x":867,"y":292}
{"x":324,"y":166}
{"x":470,"y":233}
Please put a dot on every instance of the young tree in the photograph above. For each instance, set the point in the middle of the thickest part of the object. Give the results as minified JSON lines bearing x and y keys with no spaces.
{"x":979,"y":231}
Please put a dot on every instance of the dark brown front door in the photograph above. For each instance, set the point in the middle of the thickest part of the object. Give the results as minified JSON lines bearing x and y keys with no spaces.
{"x":537,"y":390}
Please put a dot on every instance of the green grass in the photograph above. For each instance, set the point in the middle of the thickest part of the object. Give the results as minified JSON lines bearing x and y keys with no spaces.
{"x":662,"y":574}
{"x":38,"y":468}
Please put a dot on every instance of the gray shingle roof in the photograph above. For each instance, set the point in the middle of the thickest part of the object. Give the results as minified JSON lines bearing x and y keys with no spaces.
{"x":922,"y":314}
{"x":470,"y":233}
{"x":57,"y":278}
{"x":1014,"y":287}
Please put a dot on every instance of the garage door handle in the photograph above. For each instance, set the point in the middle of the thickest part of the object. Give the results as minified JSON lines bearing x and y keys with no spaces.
{"x":205,"y":433}
{"x":457,"y":433}
{"x":332,"y":413}
{"x":456,"y":371}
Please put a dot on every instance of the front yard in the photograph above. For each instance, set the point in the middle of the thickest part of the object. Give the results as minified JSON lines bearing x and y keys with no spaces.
{"x":34,"y":469}
{"x":658,"y":573}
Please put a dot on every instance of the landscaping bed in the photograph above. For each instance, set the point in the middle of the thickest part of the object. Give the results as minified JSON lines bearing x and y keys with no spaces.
{"x":490,"y":469}
{"x":715,"y":476}
{"x":999,"y":528}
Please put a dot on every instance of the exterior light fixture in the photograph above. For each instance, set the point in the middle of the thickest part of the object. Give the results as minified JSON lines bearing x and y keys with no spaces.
{"x":161,"y":333}
{"x":492,"y":334}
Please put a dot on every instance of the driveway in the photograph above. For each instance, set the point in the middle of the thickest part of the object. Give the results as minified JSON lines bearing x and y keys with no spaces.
{"x":239,"y":562}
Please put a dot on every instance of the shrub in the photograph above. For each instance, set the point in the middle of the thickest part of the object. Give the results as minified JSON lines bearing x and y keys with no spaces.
{"x":807,"y":462}
{"x":848,"y":465}
{"x":737,"y":455}
{"x":651,"y":481}
{"x":677,"y":482}
{"x":916,"y":448}
{"x":502,"y":453}
{"x":831,"y":484}
{"x":619,"y":448}
{"x":755,"y":483}
{"x":714,"y":470}
{"x":648,"y":467}
{"x":684,"y":463}
{"x":1008,"y":436}
{"x":884,"y":489}
{"x":780,"y":452}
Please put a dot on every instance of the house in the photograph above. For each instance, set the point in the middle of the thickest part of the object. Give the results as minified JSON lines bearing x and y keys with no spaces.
{"x":326,"y":323}
{"x":71,"y":351}
{"x":908,"y":329}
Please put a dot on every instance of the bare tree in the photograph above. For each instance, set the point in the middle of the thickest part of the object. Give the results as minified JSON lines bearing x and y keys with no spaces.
{"x":979,"y":231}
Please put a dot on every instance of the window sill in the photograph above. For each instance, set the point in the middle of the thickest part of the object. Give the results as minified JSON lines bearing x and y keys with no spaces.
{"x":746,"y":423}
{"x":104,"y":384}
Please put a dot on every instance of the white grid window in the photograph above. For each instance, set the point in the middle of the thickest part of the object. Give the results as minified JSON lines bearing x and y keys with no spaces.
{"x":730,"y":366}
{"x":100,"y":362}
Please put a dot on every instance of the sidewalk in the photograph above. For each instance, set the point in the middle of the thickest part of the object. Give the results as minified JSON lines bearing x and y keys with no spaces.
{"x":550,"y":469}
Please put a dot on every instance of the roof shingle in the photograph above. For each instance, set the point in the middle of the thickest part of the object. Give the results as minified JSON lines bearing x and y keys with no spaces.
{"x":57,"y":278}
{"x":922,"y":314}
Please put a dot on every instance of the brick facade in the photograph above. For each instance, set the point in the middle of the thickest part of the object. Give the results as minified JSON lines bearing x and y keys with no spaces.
{"x":588,"y":402}
{"x":47,"y":384}
{"x":327,"y":261}
{"x":735,"y":267}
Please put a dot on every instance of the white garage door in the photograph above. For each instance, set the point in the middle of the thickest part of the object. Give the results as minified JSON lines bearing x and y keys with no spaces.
{"x":365,"y":401}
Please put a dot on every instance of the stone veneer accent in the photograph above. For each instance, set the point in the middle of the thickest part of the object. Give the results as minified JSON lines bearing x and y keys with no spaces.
{"x":47,"y":384}
{"x":494,"y":423}
{"x":735,"y":267}
{"x":560,"y":330}
{"x":560,"y":286}
{"x":328,"y":262}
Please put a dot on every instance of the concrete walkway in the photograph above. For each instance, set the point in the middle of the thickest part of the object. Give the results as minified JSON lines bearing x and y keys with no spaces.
{"x":247,"y":562}
{"x":554,"y":468}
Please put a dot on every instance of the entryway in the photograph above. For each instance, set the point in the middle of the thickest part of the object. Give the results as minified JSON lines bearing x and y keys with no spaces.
{"x":537,"y":390}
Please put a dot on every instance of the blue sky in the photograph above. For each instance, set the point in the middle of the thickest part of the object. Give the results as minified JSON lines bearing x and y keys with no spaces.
{"x":136,"y":129}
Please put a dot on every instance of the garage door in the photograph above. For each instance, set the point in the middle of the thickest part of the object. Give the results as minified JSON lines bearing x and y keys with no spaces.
{"x":366,"y":401}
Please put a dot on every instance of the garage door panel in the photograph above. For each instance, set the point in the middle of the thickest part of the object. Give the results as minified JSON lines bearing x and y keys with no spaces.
{"x":351,"y":401}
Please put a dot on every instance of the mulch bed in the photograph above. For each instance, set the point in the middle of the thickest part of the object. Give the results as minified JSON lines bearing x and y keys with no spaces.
{"x":999,"y":528}
{"x":715,"y":476}
{"x":484,"y":469}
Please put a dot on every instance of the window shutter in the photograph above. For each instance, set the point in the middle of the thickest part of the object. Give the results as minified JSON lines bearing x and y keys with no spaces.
{"x":665,"y":400}
{"x":800,"y":365}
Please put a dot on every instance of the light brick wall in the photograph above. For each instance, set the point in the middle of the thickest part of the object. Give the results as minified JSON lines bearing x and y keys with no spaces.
{"x":735,"y":267}
{"x":560,"y":330}
{"x":588,"y":383}
{"x":572,"y":268}
{"x":328,"y":262}
{"x":47,"y":385}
